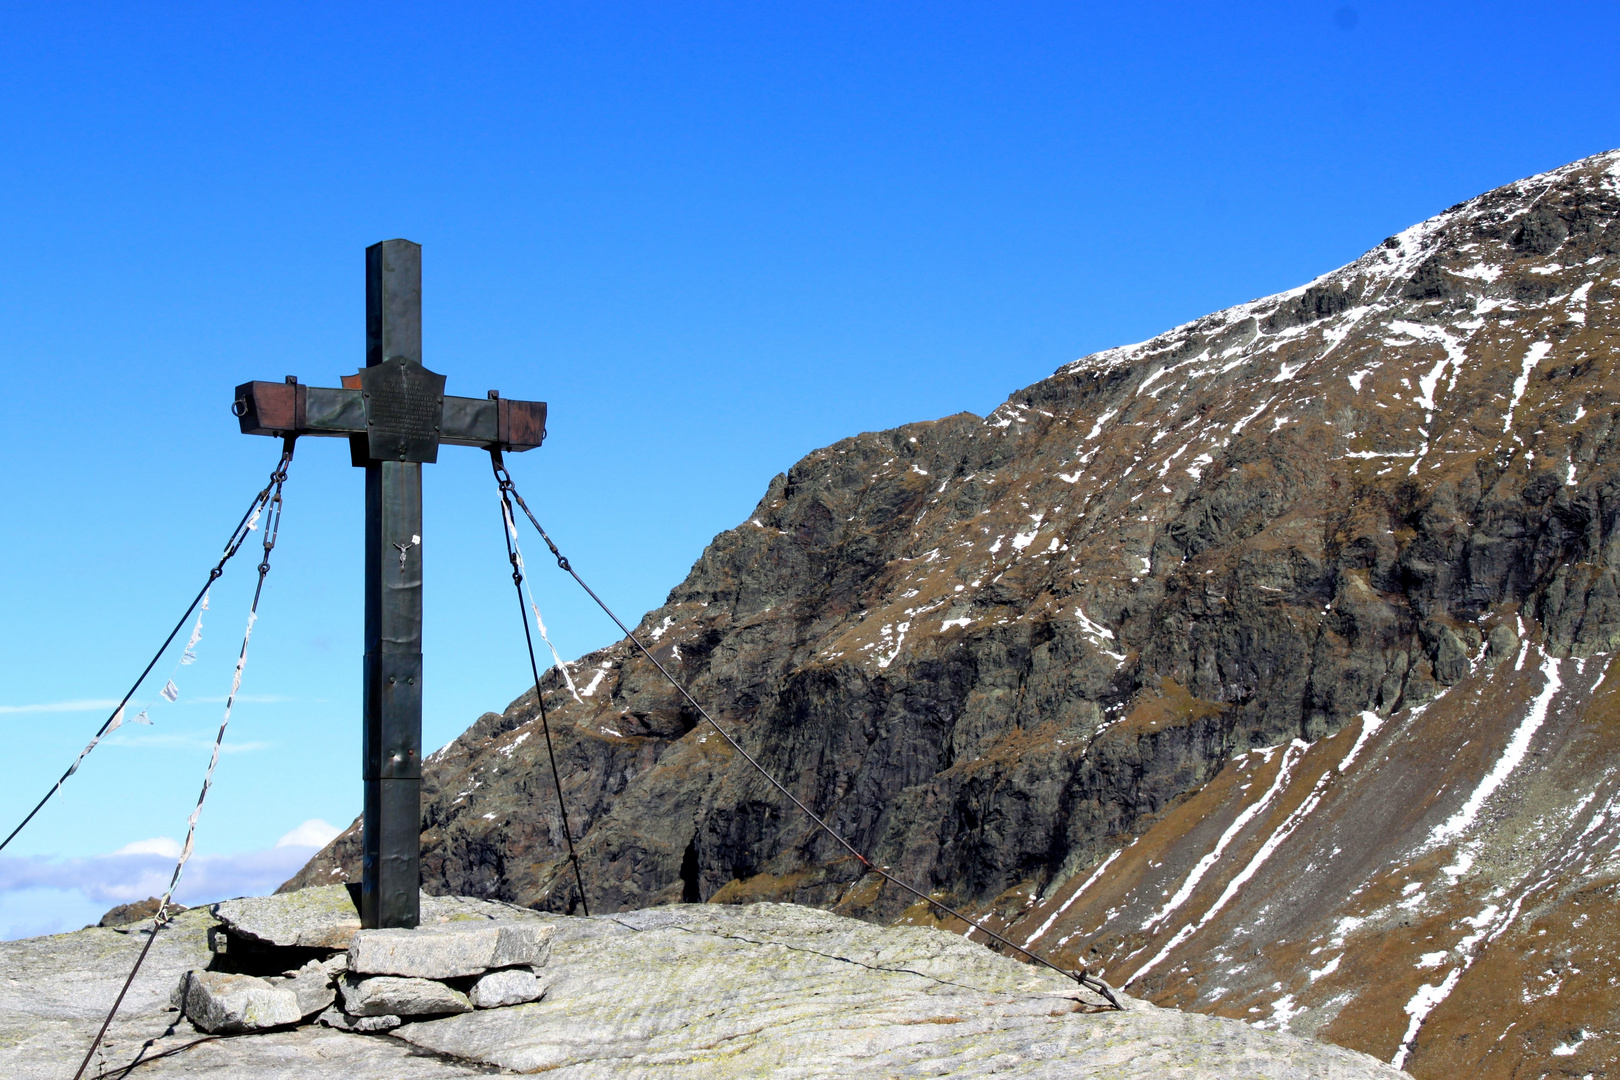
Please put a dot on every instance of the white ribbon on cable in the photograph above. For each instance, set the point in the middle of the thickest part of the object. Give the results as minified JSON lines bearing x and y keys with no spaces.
{"x":208,"y":777}
{"x":190,"y":655}
{"x":169,"y":692}
{"x":112,"y":725}
{"x":540,"y":624}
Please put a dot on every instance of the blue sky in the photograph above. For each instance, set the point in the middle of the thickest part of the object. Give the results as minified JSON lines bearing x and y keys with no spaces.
{"x":714,"y":237}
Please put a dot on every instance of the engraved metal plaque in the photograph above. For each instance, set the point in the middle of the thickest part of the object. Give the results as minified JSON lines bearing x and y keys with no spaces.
{"x":404,"y":410}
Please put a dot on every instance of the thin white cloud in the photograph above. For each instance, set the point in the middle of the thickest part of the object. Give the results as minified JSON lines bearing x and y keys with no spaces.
{"x":107,"y":704}
{"x":86,"y":705}
{"x":313,"y":833}
{"x":166,"y":846}
{"x":181,"y":741}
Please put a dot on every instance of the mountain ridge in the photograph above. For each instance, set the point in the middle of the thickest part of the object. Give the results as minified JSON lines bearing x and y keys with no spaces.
{"x":1238,"y":620}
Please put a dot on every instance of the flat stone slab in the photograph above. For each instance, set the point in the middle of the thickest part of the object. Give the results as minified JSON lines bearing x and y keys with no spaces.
{"x":698,"y":992}
{"x":449,"y":950}
{"x":683,"y":992}
{"x":56,"y":990}
{"x":326,"y":918}
{"x":308,"y":1053}
{"x":391,"y":995}
{"x":323,"y":918}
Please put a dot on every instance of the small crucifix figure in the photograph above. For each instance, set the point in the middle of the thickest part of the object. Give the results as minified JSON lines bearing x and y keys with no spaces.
{"x":405,"y":549}
{"x":395,"y":415}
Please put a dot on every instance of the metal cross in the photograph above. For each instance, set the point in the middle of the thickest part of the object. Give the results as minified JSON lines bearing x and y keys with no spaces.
{"x":395,"y":415}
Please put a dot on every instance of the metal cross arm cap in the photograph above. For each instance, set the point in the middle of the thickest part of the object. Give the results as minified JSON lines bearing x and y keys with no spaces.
{"x":398,"y":407}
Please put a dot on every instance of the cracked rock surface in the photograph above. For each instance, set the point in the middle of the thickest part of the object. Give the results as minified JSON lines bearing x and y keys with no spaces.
{"x":55,"y":991}
{"x":682,"y":991}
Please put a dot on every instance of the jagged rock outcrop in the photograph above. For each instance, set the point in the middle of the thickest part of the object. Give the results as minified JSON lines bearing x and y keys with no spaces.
{"x":124,"y":914}
{"x":1262,"y":664}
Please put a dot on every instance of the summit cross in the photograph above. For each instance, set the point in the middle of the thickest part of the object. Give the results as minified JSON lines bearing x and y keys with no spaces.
{"x":395,"y":414}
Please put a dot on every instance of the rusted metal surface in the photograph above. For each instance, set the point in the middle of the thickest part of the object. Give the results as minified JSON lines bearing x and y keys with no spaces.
{"x":280,"y":409}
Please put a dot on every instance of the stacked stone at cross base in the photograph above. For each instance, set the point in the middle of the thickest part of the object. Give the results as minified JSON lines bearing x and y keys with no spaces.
{"x":333,"y":972}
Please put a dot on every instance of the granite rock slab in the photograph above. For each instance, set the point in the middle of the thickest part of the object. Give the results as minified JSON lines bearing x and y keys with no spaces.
{"x":513,"y":986}
{"x":449,"y":951}
{"x":308,"y":1053}
{"x":678,"y":992}
{"x":393,"y":995}
{"x":224,"y":1004}
{"x":702,"y":991}
{"x":325,"y":917}
{"x":56,"y":990}
{"x":311,"y":918}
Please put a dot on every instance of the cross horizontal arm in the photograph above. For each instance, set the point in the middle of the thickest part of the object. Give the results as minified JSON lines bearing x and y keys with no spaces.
{"x":288,"y":408}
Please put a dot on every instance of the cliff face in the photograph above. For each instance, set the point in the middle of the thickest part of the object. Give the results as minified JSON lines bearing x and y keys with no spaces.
{"x":1261,"y":664}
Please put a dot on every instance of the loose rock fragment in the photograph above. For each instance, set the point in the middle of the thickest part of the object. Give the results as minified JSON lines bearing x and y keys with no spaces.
{"x":1501,"y":645}
{"x":311,"y":984}
{"x":513,"y":986}
{"x":522,"y":943}
{"x":382,"y":995}
{"x":223,"y":1004}
{"x":335,"y":1017}
{"x":376,"y":1023}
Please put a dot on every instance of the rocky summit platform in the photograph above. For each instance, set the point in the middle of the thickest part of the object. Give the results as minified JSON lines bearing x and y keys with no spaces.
{"x":685,"y":991}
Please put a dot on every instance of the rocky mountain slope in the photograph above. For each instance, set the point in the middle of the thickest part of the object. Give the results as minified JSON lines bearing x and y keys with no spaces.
{"x":1261,"y":664}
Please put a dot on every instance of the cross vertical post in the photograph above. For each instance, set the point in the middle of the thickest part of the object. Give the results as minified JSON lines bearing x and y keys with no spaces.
{"x":395,"y":415}
{"x":392,"y":743}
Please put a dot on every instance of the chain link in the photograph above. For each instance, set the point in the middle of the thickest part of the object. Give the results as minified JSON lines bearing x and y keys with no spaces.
{"x":514,"y":555}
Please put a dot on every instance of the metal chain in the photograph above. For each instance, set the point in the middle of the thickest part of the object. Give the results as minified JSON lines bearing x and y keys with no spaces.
{"x":1083,"y":976}
{"x":238,"y":535}
{"x":515,"y":557}
{"x":270,"y":503}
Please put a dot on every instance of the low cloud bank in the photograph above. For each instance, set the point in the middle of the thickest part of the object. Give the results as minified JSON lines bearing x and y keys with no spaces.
{"x":41,"y":895}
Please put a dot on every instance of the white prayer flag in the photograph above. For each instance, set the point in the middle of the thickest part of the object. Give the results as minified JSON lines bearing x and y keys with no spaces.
{"x":190,"y":655}
{"x":170,"y":691}
{"x":141,"y":718}
{"x":115,"y":722}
